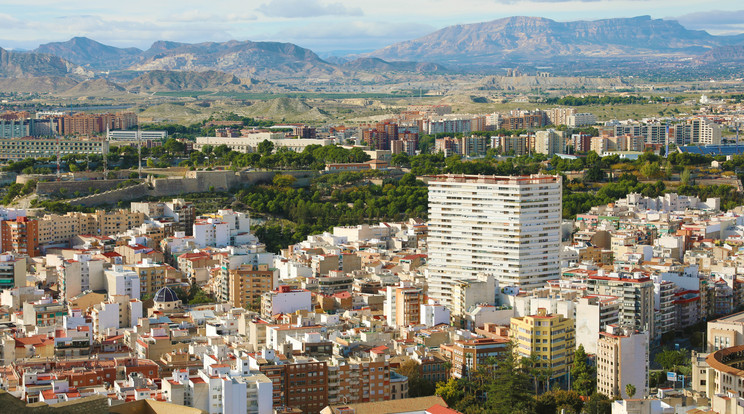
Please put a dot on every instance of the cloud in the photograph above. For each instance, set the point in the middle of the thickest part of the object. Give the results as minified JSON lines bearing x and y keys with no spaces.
{"x":714,"y":21}
{"x":306,"y":8}
{"x":353,"y":34}
{"x":197,"y":16}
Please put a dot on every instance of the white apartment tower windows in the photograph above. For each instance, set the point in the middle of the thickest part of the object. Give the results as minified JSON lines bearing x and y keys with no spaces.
{"x":505,"y":226}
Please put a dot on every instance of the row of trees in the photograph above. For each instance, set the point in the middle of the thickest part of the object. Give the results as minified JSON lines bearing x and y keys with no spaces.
{"x":507,"y":385}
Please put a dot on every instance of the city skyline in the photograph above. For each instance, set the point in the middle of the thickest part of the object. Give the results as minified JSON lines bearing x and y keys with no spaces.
{"x":324,"y":26}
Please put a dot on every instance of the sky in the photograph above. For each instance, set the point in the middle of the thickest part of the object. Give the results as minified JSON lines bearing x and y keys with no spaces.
{"x":321,"y":25}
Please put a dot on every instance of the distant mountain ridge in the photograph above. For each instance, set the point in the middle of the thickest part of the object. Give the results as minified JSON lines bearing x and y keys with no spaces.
{"x":539,"y":39}
{"x":87,"y":52}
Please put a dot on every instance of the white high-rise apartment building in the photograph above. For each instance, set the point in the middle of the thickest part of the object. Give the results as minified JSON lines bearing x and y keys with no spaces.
{"x":505,"y":226}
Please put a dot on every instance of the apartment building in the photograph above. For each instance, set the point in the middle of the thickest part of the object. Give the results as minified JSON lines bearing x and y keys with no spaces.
{"x":284,"y":299}
{"x":15,"y":149}
{"x":549,"y":142}
{"x":551,"y":338}
{"x":622,"y":359}
{"x":505,"y":226}
{"x":403,"y":305}
{"x":80,"y":274}
{"x":355,"y":380}
{"x":20,"y":236}
{"x":467,"y":354}
{"x":248,"y":282}
{"x":636,"y":295}
{"x":182,"y":213}
{"x":299,"y":382}
{"x":151,"y":274}
{"x":12,"y":271}
{"x":88,"y":124}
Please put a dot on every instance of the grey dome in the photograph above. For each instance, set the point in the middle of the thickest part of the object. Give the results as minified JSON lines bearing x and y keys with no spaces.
{"x":165,"y":294}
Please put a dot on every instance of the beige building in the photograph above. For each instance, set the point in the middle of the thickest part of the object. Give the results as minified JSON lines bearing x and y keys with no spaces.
{"x":55,"y":228}
{"x":248,"y":282}
{"x":725,"y":332}
{"x":622,"y":359}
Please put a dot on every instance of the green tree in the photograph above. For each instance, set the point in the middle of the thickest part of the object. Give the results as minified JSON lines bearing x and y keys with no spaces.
{"x":630,"y":390}
{"x":598,"y":404}
{"x":650,"y":170}
{"x":401,"y":160}
{"x":583,"y":377}
{"x":510,"y":391}
{"x":685,"y":176}
{"x":417,"y":386}
{"x":670,"y":360}
{"x":283,"y":180}
{"x":265,"y":147}
{"x":451,"y":391}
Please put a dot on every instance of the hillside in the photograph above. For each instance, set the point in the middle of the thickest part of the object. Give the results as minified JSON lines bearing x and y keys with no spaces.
{"x":535,"y":39}
{"x":243,"y":59}
{"x":26,"y":65}
{"x":162,"y":81}
{"x":371,"y":64}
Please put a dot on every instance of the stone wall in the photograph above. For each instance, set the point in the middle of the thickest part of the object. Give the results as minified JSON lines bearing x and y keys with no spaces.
{"x":193,"y":182}
{"x":53,"y":187}
{"x":96,"y":404}
{"x":125,"y":194}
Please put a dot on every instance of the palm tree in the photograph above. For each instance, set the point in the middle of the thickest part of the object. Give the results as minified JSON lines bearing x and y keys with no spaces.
{"x":630,"y":389}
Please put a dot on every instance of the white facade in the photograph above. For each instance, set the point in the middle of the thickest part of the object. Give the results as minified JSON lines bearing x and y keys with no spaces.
{"x":593,"y":314}
{"x":433,"y":314}
{"x":81,"y":274}
{"x":135,"y":135}
{"x":505,"y":226}
{"x":286,"y":300}
{"x":581,"y":119}
{"x":249,"y":143}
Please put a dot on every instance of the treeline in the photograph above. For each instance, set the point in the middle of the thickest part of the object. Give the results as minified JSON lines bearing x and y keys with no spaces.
{"x":313,"y":157}
{"x":318,"y":209}
{"x":608,"y":100}
{"x":510,"y":385}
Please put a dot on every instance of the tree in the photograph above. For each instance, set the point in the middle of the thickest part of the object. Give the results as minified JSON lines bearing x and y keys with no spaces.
{"x":265,"y":147}
{"x":510,"y":391}
{"x":598,"y":404}
{"x":401,"y":160}
{"x":669,"y":359}
{"x":630,"y":390}
{"x":650,"y":169}
{"x":417,"y":386}
{"x":283,"y":180}
{"x":451,"y":391}
{"x":583,"y":378}
{"x":685,"y":176}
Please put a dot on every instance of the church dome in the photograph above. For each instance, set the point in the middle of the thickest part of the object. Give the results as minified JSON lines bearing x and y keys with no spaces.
{"x":165,"y":295}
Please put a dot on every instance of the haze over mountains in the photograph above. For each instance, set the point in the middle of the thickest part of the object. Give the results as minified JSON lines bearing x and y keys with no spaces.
{"x":236,"y":65}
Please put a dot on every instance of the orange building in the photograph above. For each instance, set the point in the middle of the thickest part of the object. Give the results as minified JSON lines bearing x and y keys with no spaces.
{"x":20,"y":236}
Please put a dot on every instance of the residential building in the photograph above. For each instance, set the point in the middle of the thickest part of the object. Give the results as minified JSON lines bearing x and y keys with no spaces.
{"x":403,"y":305}
{"x":549,"y":142}
{"x":550,"y":338}
{"x":622,"y":359}
{"x":284,"y":299}
{"x":505,"y":226}
{"x":20,"y":236}
{"x":249,"y":282}
{"x":467,"y":354}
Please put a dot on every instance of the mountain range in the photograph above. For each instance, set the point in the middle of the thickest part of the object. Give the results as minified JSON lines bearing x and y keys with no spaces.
{"x":535,"y":39}
{"x":241,"y":65}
